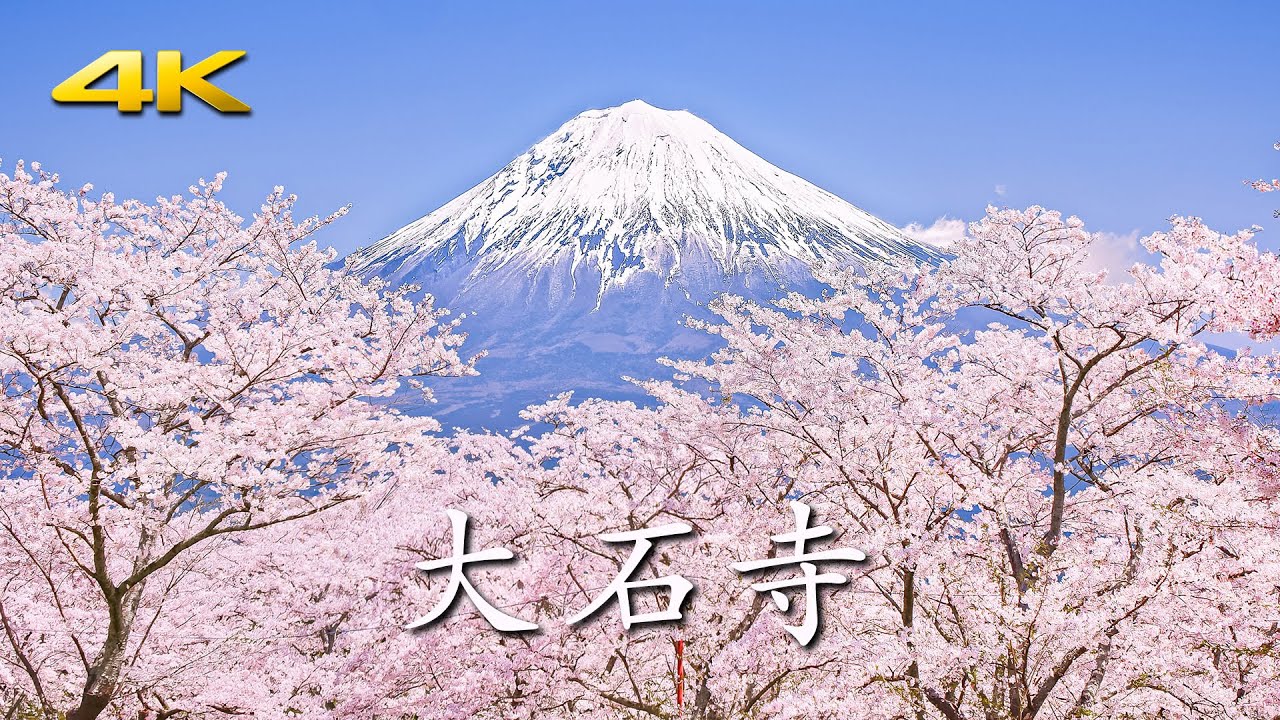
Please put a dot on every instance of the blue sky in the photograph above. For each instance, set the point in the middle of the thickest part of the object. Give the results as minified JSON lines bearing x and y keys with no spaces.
{"x":1123,"y":113}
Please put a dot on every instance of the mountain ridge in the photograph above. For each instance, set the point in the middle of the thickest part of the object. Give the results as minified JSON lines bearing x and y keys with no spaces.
{"x":577,"y":262}
{"x":636,"y":189}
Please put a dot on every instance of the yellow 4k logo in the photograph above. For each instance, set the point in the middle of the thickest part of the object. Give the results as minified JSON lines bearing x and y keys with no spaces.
{"x":171,"y":79}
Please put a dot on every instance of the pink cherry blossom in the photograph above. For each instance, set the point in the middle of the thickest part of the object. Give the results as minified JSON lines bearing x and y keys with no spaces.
{"x":176,"y":379}
{"x":214,"y":507}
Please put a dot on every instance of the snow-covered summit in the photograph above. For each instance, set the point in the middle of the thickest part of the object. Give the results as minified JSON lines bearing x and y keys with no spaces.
{"x":578,"y":262}
{"x":632,"y":191}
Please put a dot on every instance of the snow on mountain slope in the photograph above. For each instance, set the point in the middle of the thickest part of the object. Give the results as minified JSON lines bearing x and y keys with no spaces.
{"x":631,"y":190}
{"x":579,"y":260}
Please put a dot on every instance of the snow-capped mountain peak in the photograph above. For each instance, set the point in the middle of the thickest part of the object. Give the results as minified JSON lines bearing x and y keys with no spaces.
{"x":630,"y":191}
{"x":579,"y":262}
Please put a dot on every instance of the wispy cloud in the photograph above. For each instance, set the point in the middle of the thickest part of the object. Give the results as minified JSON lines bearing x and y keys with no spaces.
{"x":1111,"y":251}
{"x":1002,"y":190}
{"x":944,"y":232}
{"x":1116,"y":253}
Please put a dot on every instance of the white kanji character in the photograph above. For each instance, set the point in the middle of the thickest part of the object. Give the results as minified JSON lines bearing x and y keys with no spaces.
{"x":622,"y":585}
{"x":458,"y":578}
{"x":811,"y":579}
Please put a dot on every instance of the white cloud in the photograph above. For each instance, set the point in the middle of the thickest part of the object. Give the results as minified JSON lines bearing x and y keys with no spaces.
{"x":944,"y":232}
{"x":1113,"y":252}
{"x":1116,"y":253}
{"x":1002,"y":190}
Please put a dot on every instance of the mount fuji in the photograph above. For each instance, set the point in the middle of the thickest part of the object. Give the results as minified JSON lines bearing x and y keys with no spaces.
{"x":578,"y":261}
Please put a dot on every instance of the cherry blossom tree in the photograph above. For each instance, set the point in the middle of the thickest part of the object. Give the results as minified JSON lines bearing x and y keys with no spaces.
{"x":1068,"y":498}
{"x":1265,"y":186}
{"x":176,"y":379}
{"x":600,"y":468}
